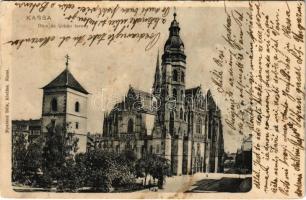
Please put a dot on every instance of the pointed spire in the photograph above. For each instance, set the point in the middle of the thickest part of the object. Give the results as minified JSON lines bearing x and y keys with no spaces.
{"x":156,"y":84}
{"x":174,"y":27}
{"x":174,"y":14}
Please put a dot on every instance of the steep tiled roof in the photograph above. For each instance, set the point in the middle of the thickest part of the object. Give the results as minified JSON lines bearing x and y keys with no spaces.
{"x":66,"y":79}
{"x":192,"y":91}
{"x":145,"y":97}
{"x":141,"y":93}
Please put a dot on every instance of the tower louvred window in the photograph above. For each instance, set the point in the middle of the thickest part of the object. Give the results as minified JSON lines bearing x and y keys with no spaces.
{"x":181,"y":114}
{"x":77,"y":107}
{"x":174,"y":93}
{"x":175,"y":75}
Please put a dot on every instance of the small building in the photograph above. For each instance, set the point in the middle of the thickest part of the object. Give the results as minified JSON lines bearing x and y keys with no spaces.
{"x":30,"y":129}
{"x":244,"y":155}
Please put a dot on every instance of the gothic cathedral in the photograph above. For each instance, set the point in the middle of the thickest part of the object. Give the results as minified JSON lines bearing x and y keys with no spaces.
{"x":180,"y":124}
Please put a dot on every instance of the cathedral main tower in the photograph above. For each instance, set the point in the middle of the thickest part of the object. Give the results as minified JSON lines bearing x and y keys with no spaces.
{"x":173,"y":94}
{"x":173,"y":80}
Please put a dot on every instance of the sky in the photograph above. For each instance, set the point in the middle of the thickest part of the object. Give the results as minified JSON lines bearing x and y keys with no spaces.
{"x":107,"y":71}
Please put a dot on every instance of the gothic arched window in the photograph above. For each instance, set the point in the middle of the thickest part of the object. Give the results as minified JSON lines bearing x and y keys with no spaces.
{"x":199,"y":125}
{"x":54,"y":104}
{"x":77,"y":107}
{"x":174,"y":93}
{"x":130,"y":126}
{"x":181,"y":113}
{"x":174,"y":75}
{"x":183,"y":77}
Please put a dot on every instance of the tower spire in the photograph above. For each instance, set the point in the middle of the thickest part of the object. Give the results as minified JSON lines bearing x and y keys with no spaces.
{"x":174,"y":42}
{"x":67,"y":63}
{"x":156,"y":84}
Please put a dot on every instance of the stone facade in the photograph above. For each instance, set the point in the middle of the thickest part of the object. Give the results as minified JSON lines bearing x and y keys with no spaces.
{"x":183,"y":125}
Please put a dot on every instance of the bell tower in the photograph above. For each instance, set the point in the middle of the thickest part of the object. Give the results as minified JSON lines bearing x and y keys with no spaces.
{"x":65,"y":104}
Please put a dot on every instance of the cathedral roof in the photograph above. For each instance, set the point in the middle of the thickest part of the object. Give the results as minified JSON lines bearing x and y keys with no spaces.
{"x":145,"y":98}
{"x":192,"y":91}
{"x":66,"y":80}
{"x":140,"y":93}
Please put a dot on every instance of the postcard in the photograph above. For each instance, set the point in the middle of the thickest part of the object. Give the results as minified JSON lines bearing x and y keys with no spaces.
{"x":152,"y":99}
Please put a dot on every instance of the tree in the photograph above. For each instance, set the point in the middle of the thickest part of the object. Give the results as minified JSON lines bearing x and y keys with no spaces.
{"x":71,"y":176}
{"x":27,"y":160}
{"x":160,"y":168}
{"x":143,"y":167}
{"x":156,"y":166}
{"x":129,"y":158}
{"x":105,"y":170}
{"x":58,"y":153}
{"x":125,"y":168}
{"x":33,"y":161}
{"x":100,"y":170}
{"x":80,"y":169}
{"x":19,"y":150}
